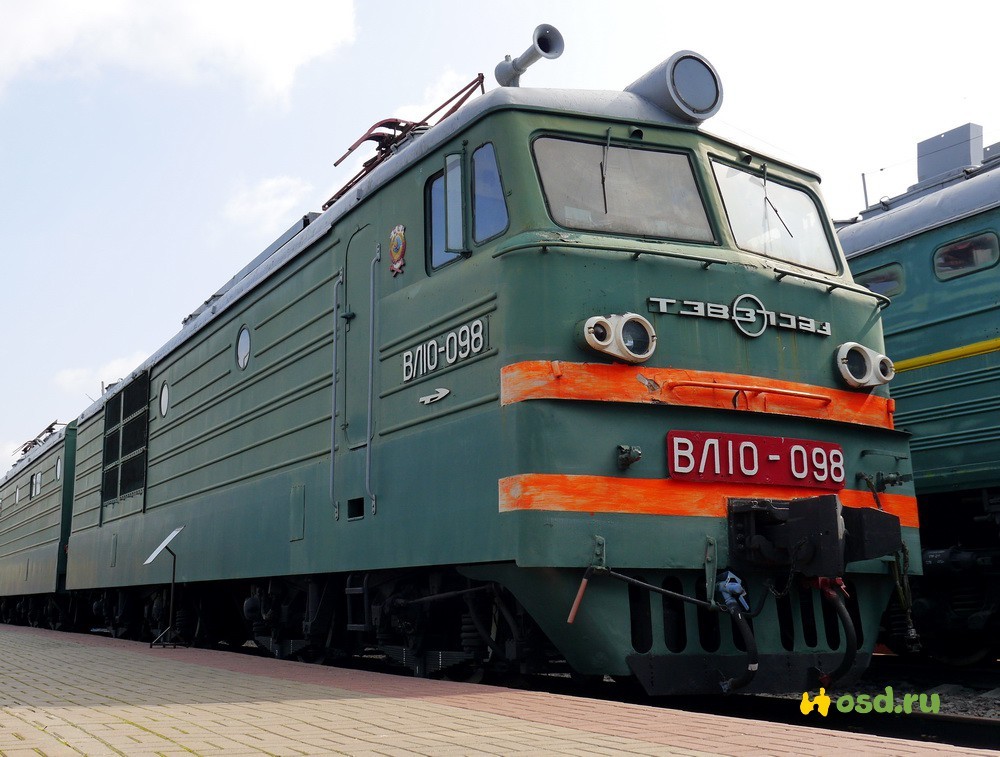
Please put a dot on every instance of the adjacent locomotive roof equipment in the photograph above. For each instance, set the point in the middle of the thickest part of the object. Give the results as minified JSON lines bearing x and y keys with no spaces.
{"x":958,"y":179}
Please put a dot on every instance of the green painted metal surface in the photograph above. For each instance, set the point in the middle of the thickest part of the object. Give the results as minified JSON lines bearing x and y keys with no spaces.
{"x":35,"y":498}
{"x":949,"y":406}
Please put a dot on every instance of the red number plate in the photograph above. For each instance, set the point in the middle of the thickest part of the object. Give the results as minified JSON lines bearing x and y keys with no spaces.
{"x":744,"y":459}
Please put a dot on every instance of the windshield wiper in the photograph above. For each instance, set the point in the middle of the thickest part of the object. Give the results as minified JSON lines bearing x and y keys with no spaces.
{"x":767,"y":201}
{"x":604,"y":172}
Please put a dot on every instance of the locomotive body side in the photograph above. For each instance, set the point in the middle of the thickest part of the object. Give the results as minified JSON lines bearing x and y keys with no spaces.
{"x":235,"y":440}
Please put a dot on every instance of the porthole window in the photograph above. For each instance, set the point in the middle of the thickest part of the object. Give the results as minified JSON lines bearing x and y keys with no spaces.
{"x":243,"y":348}
{"x":58,"y":468}
{"x":164,"y":399}
{"x":966,"y":256}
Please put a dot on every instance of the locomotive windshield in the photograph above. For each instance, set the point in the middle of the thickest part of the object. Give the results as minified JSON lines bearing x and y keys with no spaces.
{"x":596,"y":187}
{"x":774,"y":219}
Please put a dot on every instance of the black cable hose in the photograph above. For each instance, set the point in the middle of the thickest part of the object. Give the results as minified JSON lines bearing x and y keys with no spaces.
{"x":850,"y":638}
{"x":739,"y":682}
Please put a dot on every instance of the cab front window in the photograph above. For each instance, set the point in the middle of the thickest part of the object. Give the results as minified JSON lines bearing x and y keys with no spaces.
{"x":621,"y":190}
{"x":774,"y":220}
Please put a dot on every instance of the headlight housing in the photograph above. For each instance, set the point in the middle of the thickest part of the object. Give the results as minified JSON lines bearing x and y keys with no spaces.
{"x":628,"y":336}
{"x":860,"y":366}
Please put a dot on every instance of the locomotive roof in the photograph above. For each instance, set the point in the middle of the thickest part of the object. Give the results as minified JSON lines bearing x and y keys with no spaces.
{"x":617,"y":105}
{"x":954,"y":196}
{"x":40,"y":449}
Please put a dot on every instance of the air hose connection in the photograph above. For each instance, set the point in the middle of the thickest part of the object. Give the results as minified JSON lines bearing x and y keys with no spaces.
{"x":734,"y":595}
{"x":831,"y":590}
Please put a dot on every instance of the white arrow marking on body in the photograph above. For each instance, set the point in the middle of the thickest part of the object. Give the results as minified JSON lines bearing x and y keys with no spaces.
{"x":439,"y":394}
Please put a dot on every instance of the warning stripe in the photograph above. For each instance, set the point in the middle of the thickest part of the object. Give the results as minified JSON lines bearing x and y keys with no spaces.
{"x":543,"y":379}
{"x":656,"y":496}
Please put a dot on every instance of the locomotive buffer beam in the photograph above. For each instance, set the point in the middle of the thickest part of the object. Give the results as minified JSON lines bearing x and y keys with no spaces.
{"x":814,"y":536}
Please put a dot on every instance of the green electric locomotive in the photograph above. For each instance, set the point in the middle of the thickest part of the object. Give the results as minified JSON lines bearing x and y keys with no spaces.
{"x":36,"y":500}
{"x":934,"y":249}
{"x":559,"y":382}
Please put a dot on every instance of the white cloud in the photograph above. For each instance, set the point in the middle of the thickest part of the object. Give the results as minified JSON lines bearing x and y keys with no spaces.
{"x":270,"y":205}
{"x":88,"y":381}
{"x":264,"y":43}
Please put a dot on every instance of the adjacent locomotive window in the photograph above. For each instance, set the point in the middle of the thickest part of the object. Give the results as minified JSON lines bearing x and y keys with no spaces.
{"x":164,"y":399}
{"x":887,"y":280}
{"x":621,"y":190}
{"x":489,"y":210}
{"x":774,"y":219}
{"x":35,"y":485}
{"x":126,"y":431}
{"x":243,"y":348}
{"x":966,"y":256}
{"x":58,"y":468}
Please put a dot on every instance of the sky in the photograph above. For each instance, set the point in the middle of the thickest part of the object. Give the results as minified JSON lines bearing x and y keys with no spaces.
{"x":148,"y":151}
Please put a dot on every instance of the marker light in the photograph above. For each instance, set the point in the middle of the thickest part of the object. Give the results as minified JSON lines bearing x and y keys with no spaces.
{"x":860,"y":366}
{"x":628,"y":337}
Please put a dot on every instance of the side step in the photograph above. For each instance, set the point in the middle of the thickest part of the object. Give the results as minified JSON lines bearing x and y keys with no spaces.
{"x":357,"y":591}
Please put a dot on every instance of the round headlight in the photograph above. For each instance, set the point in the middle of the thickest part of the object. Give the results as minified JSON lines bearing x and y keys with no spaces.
{"x":885,"y":369}
{"x":596,"y":332}
{"x":857,"y":365}
{"x":628,"y":337}
{"x":636,"y":337}
{"x":860,"y":366}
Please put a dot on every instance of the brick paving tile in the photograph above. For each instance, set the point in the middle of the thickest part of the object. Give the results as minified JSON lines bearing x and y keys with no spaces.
{"x":97,"y":696}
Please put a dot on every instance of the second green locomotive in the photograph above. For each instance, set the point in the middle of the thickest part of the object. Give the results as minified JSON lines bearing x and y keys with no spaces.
{"x":935,"y":250}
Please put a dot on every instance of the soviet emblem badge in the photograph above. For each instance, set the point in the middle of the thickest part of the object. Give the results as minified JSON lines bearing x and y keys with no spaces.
{"x":397,"y":249}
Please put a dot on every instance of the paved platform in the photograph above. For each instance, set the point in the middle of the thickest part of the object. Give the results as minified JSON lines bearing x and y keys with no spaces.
{"x":63,"y":694}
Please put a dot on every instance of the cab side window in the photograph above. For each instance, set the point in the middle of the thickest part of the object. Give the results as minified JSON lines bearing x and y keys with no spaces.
{"x":447,"y":206}
{"x":489,"y":210}
{"x":438,"y":253}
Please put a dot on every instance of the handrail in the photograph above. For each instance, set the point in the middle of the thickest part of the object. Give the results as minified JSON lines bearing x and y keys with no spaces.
{"x":755,"y":389}
{"x":705,"y":260}
{"x":338,"y":282}
{"x":371,"y":377}
{"x":883,"y":301}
